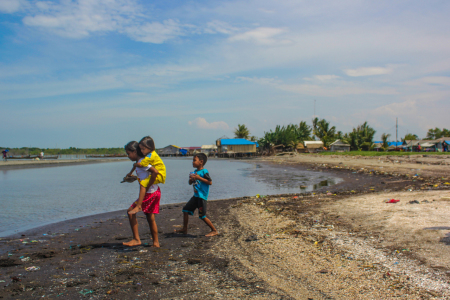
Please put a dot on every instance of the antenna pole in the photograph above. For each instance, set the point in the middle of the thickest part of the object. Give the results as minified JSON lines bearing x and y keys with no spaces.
{"x":396,"y":131}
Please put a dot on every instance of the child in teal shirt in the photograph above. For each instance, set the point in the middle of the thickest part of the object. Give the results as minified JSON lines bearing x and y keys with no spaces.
{"x":201,"y":181}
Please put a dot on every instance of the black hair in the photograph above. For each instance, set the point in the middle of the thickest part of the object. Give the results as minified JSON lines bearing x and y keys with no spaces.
{"x":148,"y":142}
{"x":202,"y":157}
{"x":134,"y":146}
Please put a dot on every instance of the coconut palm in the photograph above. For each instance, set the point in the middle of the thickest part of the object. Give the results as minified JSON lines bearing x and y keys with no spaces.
{"x":324,"y":132}
{"x":384,"y":138}
{"x":241,"y":132}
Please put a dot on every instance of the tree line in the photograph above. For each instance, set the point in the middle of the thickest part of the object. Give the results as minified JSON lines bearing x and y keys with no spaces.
{"x":68,"y":151}
{"x":360,"y":138}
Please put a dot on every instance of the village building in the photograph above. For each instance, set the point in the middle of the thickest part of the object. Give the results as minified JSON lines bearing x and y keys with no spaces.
{"x":209,"y":149}
{"x":339,"y":146}
{"x":190,"y":151}
{"x":170,"y":150}
{"x":236,"y":147}
{"x":313,"y":146}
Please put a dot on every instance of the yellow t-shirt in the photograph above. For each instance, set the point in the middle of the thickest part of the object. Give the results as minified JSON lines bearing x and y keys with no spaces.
{"x":154,"y":160}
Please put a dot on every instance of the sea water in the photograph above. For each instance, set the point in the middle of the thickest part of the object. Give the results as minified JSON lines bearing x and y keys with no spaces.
{"x":37,"y":196}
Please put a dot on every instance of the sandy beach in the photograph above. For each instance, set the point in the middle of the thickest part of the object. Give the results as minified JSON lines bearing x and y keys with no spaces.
{"x":340,"y":242}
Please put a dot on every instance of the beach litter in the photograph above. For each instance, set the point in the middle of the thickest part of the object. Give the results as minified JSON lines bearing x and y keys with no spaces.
{"x":33,"y":268}
{"x":26,"y":259}
{"x":414,"y":202}
{"x":392,"y":201}
{"x":85,"y":292}
{"x":251,"y":238}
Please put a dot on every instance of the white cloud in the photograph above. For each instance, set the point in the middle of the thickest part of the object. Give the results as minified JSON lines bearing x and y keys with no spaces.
{"x":79,"y":19}
{"x":219,"y":27}
{"x":203,"y":124}
{"x":10,"y":6}
{"x":261,"y":35}
{"x":322,"y":77}
{"x":367,"y":71}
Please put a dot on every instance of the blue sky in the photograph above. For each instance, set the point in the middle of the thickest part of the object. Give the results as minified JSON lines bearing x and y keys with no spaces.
{"x":101,"y":73}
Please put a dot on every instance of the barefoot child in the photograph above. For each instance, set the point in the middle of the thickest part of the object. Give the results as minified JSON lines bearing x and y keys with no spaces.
{"x":149,"y":195}
{"x":201,"y":181}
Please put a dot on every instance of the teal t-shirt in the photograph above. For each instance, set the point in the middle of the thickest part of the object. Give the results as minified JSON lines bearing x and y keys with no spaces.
{"x":201,"y":189}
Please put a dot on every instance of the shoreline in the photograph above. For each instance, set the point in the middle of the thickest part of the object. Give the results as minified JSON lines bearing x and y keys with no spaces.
{"x":17,"y":164}
{"x":340,"y":242}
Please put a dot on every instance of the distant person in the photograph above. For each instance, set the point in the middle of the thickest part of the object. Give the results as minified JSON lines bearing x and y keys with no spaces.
{"x":201,"y":181}
{"x":41,"y":155}
{"x":149,"y":196}
{"x":4,"y":154}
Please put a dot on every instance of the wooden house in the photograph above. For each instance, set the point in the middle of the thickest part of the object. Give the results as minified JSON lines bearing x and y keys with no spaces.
{"x":191,"y":150}
{"x":170,"y":150}
{"x":313,"y":146}
{"x":208,"y":149}
{"x":236,"y":147}
{"x":340,"y":146}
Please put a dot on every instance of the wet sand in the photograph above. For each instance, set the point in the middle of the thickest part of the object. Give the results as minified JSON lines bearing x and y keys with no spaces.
{"x":25,"y":164}
{"x":339,"y":242}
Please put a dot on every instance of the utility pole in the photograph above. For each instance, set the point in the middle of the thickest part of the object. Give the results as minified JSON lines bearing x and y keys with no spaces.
{"x":396,"y":131}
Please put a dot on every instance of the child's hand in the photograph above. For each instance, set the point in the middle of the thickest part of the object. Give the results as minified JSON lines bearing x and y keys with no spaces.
{"x":135,"y":210}
{"x":129,"y":174}
{"x":195,"y":177}
{"x":136,"y":165}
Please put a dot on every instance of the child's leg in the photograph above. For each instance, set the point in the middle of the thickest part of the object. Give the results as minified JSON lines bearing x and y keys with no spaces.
{"x":210,"y":224}
{"x":202,"y":205}
{"x":136,"y":241}
{"x":138,"y":208}
{"x":185,"y":224}
{"x":153,"y":229}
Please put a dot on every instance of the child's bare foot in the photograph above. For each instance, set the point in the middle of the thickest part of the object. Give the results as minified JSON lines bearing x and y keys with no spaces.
{"x":183,"y":231}
{"x":135,"y":210}
{"x":132,"y":243}
{"x":212,"y":233}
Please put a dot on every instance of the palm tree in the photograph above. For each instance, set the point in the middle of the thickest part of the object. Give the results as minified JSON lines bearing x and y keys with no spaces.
{"x":384,"y":138}
{"x":241,"y":132}
{"x":324,"y":132}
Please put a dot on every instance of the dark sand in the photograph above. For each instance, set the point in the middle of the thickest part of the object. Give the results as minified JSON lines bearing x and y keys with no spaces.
{"x":85,"y":258}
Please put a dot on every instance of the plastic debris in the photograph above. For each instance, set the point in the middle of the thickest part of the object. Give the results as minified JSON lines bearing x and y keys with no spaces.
{"x":143,"y":251}
{"x":251,"y":238}
{"x":414,"y":202}
{"x":392,"y":201}
{"x":85,"y":292}
{"x":26,"y":259}
{"x":33,"y":268}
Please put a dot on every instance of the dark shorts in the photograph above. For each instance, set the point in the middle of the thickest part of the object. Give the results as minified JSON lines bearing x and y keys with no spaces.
{"x":193,"y":204}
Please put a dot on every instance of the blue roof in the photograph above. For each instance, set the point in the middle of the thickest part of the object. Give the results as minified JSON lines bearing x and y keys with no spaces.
{"x":389,"y":143}
{"x":226,"y":142}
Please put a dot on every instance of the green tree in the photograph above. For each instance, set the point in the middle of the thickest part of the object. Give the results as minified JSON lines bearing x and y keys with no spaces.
{"x":410,"y":136}
{"x":385,"y":137}
{"x":241,"y":132}
{"x":361,"y":137}
{"x":437,"y":133}
{"x":324,"y":132}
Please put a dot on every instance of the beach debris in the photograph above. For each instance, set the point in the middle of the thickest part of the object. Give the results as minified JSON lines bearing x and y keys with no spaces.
{"x":323,"y":271}
{"x":251,"y":238}
{"x":414,"y":202}
{"x":129,"y":179}
{"x":143,"y":251}
{"x":26,"y":259}
{"x":193,"y":261}
{"x":392,"y":201}
{"x":33,"y":268}
{"x":85,"y":292}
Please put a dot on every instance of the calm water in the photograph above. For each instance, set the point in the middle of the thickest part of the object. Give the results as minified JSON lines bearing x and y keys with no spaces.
{"x":39,"y":196}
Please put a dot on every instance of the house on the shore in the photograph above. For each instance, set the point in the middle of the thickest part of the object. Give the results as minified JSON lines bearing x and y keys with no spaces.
{"x":191,"y":150}
{"x":313,"y":146}
{"x":339,"y":146}
{"x":236,"y":147}
{"x":208,"y":149}
{"x":170,"y":150}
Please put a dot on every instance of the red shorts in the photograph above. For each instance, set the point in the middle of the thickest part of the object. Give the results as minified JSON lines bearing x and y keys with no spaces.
{"x":150,"y":205}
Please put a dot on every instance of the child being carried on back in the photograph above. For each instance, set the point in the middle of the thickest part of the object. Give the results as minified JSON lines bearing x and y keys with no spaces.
{"x":149,"y":192}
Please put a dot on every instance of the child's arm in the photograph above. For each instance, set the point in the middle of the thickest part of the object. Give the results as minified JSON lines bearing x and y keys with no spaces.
{"x":205,"y":180}
{"x":154,"y":173}
{"x":132,"y":170}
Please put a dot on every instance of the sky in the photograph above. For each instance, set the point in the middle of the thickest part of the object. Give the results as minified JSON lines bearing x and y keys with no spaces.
{"x":100,"y":73}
